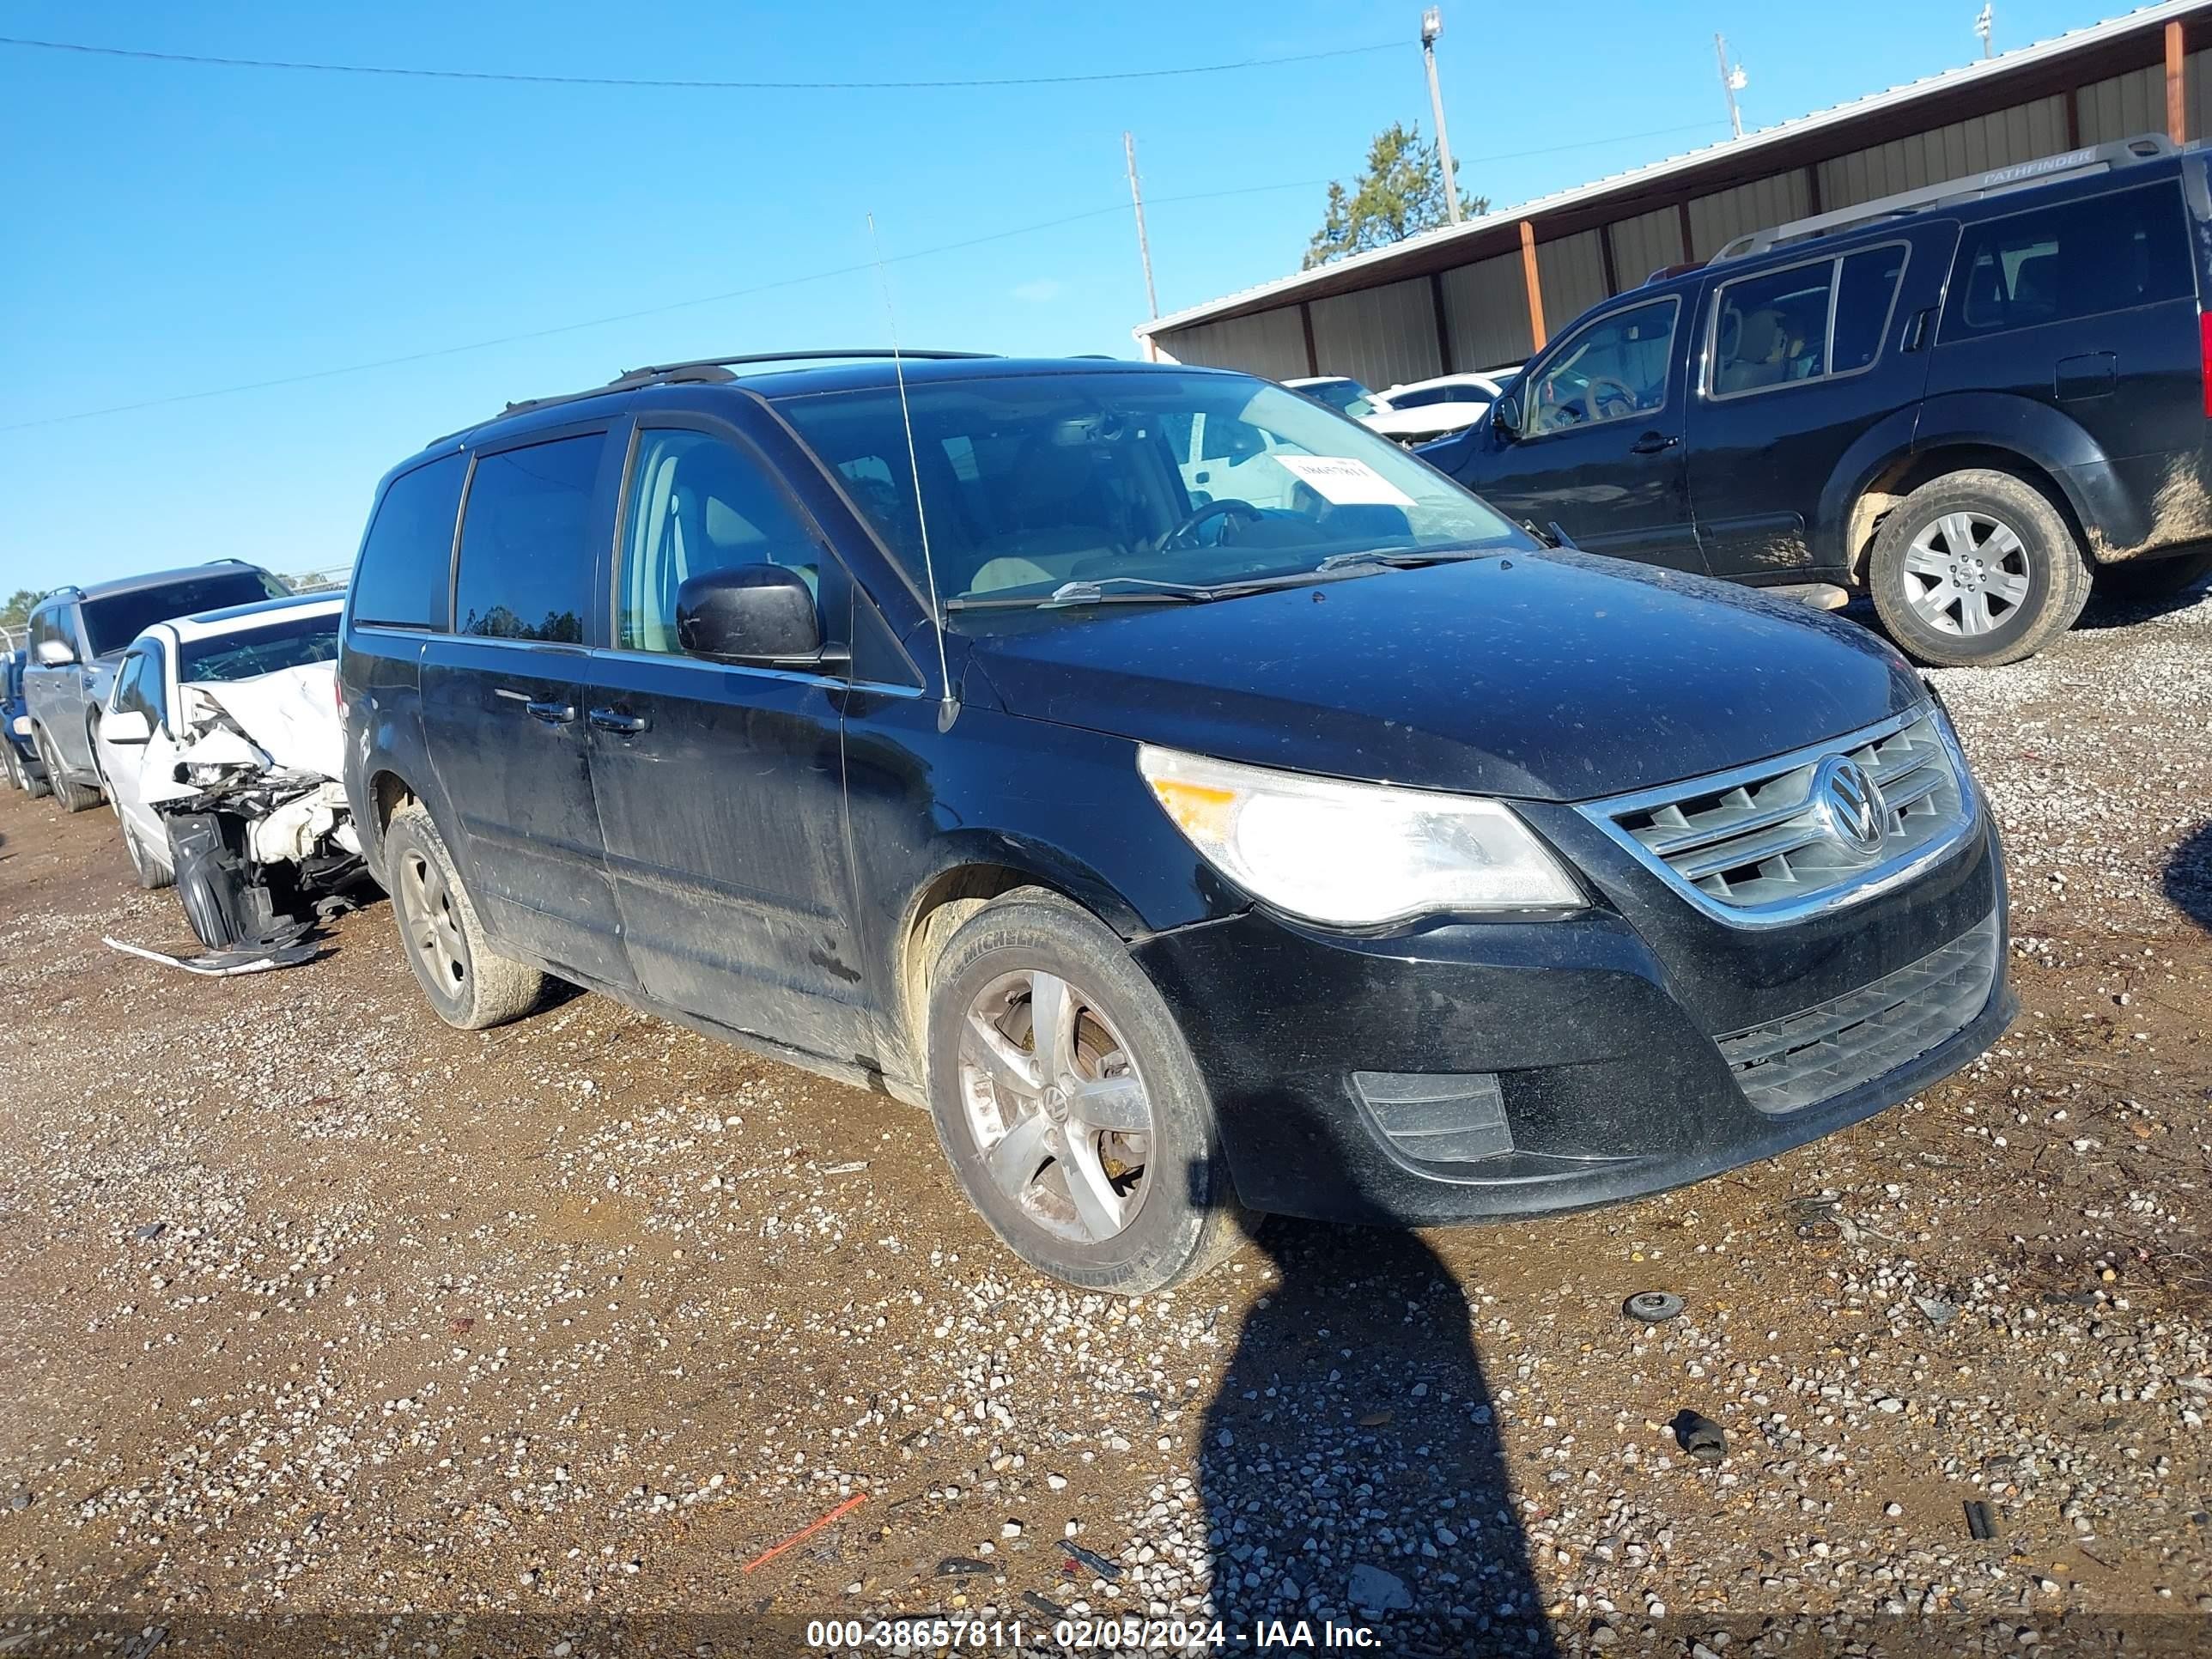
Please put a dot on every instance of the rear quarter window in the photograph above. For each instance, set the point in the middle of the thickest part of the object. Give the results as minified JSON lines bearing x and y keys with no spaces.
{"x":405,"y":575}
{"x":2081,"y":258}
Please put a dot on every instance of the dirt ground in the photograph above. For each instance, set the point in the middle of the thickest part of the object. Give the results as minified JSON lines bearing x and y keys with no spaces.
{"x":325,"y":1326}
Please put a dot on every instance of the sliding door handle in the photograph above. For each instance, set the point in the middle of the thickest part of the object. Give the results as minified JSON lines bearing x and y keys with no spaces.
{"x":626,"y":725}
{"x":553,"y":714}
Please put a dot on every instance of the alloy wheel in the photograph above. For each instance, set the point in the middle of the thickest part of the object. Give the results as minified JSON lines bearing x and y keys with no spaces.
{"x":433,"y":931}
{"x":1055,"y":1106}
{"x":1966,"y":574}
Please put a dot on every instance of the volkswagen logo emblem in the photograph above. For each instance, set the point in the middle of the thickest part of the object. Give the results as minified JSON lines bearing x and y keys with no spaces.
{"x":1850,"y":804}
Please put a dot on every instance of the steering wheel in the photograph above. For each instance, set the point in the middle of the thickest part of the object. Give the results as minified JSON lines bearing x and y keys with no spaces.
{"x":1604,"y":389}
{"x":1184,"y":535}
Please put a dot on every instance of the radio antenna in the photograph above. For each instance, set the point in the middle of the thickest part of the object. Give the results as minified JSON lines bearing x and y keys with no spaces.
{"x":950,"y":705}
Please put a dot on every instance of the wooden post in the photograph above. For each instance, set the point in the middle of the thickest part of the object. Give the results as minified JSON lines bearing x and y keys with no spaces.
{"x":1528,"y":281}
{"x":2177,"y":107}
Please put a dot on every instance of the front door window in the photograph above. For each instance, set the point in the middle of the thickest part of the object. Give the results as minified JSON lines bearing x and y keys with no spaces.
{"x":1613,"y":370}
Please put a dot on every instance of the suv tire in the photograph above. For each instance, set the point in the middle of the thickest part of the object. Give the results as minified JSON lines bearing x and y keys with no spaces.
{"x":468,"y":986}
{"x":73,"y":796}
{"x":1976,"y":569}
{"x":2152,"y":579}
{"x":1103,"y":1168}
{"x":151,"y":873}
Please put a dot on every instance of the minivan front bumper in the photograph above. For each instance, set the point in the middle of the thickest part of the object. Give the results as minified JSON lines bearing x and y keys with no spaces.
{"x":1473,"y":1070}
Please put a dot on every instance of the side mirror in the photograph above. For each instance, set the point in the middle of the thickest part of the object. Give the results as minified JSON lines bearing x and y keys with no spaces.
{"x":749,"y":613}
{"x":55,"y":654}
{"x":1505,"y":414}
{"x":126,"y":726}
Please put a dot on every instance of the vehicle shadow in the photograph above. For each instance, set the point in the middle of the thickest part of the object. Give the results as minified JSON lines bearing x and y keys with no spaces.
{"x":2108,"y":609}
{"x":2188,"y":877}
{"x":1350,"y":1468}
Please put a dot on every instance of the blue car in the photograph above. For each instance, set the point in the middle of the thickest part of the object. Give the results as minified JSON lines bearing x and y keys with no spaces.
{"x":18,"y":760}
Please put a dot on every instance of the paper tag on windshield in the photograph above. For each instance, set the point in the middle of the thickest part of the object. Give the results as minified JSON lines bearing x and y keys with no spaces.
{"x":1344,"y":481}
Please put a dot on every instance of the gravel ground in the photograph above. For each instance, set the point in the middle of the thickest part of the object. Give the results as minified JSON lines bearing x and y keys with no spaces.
{"x":328,"y":1325}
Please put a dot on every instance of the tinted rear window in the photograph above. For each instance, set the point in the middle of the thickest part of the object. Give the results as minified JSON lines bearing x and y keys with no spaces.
{"x":291,"y":643}
{"x":113,"y":623}
{"x":404,"y":577}
{"x":525,"y":542}
{"x":2109,"y":253}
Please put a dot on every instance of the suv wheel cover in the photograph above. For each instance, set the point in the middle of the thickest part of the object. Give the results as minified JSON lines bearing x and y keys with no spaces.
{"x":1966,"y":574}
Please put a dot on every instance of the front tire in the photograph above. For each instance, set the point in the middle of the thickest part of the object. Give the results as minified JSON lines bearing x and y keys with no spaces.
{"x":467,"y":985}
{"x":1977,"y":568}
{"x":1068,"y":1104}
{"x":152,"y":873}
{"x":73,"y":796}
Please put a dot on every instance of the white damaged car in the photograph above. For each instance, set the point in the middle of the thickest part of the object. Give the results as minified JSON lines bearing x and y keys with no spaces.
{"x":220,"y":746}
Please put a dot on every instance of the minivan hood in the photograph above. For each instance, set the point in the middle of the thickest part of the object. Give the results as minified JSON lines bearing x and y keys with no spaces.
{"x":1547,"y":676}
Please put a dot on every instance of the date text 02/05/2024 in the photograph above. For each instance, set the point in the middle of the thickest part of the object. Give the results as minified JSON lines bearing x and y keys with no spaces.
{"x":1087,"y":1635}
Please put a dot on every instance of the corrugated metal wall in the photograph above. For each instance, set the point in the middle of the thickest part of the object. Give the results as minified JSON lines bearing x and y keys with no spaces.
{"x":1487,"y":310}
{"x":2019,"y":134}
{"x":1273,"y":343}
{"x":1646,"y":243}
{"x":1379,"y":336}
{"x":1388,"y":334}
{"x":1571,"y":274}
{"x":1726,"y":214}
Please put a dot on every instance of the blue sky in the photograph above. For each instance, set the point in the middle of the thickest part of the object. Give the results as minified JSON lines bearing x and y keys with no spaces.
{"x":173,"y":229}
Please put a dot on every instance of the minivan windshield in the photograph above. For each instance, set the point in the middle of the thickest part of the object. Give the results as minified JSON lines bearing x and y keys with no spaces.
{"x":1148,"y":481}
{"x":112,"y":622}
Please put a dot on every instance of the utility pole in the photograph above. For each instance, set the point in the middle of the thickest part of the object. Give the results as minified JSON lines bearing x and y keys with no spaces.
{"x":1137,"y":201}
{"x":1732,"y":81}
{"x":1983,"y":26}
{"x":1432,"y":25}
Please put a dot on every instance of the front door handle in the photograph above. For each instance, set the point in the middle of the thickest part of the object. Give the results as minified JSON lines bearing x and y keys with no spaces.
{"x":627,"y":725}
{"x":1652,"y":442}
{"x":553,"y":714}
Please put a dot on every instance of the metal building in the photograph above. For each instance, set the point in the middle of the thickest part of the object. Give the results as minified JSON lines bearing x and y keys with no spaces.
{"x":1479,"y":294}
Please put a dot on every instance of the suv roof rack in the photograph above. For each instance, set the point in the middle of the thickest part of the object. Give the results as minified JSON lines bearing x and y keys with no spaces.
{"x":705,"y":371}
{"x":2069,"y":164}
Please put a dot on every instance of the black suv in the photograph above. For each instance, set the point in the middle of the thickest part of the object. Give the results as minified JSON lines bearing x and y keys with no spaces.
{"x":78,"y":635}
{"x":1965,"y":399}
{"x":1330,"y":848}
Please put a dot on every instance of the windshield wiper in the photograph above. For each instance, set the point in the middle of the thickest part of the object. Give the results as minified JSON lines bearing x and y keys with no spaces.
{"x":1105,"y":590}
{"x":1396,"y":561}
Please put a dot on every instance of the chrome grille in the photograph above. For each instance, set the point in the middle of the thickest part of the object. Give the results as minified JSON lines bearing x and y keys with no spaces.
{"x":1835,"y":1046}
{"x":1759,"y":845}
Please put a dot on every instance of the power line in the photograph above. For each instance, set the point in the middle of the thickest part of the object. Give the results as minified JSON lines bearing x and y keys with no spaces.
{"x":627,"y":316}
{"x":414,"y":72}
{"x":438,"y":352}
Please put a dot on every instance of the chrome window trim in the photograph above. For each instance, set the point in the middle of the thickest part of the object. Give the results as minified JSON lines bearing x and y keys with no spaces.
{"x":1709,"y":365}
{"x":1875,"y":880}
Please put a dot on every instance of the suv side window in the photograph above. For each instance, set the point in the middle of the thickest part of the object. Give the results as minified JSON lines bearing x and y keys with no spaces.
{"x":46,"y":624}
{"x":404,"y":577}
{"x":1612,"y":370}
{"x":699,"y":503}
{"x":1804,"y":322}
{"x":525,"y":565}
{"x":2108,"y":252}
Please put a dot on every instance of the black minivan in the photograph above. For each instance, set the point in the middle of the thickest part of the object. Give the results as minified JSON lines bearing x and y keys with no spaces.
{"x":1966,"y":400}
{"x":1283,"y":833}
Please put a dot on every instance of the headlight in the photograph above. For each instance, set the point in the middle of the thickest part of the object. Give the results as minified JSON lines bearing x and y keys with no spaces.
{"x":1354,"y":854}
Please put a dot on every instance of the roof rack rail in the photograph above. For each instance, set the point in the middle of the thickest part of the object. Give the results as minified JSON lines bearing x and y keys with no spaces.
{"x":712,"y":371}
{"x":2069,"y":164}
